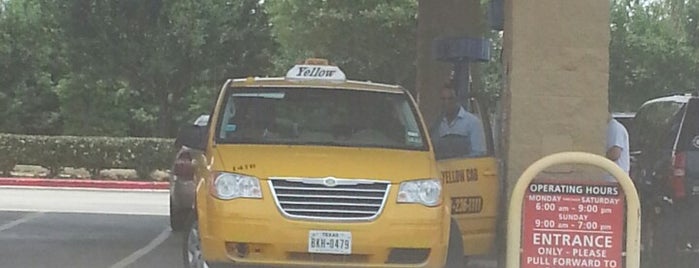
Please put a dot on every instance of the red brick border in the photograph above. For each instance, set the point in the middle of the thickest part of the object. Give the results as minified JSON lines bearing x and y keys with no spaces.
{"x":86,"y":183}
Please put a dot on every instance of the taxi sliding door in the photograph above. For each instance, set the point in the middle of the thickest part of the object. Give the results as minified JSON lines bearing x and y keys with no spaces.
{"x":473,"y":186}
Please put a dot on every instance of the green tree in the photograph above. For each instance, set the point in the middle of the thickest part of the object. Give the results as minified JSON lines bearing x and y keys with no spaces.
{"x":94,"y":108}
{"x":653,"y":51}
{"x":30,"y":66}
{"x":491,"y":72}
{"x":369,"y":39}
{"x":162,"y":50}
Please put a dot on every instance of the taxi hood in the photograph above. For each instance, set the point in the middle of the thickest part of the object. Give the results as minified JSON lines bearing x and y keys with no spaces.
{"x":265,"y":161}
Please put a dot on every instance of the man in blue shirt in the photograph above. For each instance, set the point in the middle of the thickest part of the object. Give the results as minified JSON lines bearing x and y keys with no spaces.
{"x":458,"y":132}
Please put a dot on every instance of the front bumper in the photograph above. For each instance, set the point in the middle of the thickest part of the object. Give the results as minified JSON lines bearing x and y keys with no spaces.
{"x":255,"y":232}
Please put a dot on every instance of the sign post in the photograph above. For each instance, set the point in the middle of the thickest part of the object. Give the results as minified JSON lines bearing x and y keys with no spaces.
{"x":572,"y":223}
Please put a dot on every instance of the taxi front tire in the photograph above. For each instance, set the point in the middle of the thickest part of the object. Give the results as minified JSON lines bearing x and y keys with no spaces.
{"x":455,"y":251}
{"x":191,"y":250}
{"x":178,"y":218}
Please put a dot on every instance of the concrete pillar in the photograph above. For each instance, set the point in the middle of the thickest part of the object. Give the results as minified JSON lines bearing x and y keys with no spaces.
{"x":556,"y":60}
{"x":437,"y":18}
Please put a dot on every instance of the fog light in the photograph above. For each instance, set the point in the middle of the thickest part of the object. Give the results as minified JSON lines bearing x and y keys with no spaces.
{"x":242,"y":250}
{"x":408,"y":255}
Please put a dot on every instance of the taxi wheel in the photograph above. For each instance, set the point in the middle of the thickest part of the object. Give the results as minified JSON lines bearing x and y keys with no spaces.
{"x":178,"y":218}
{"x":455,"y":252}
{"x":191,"y":250}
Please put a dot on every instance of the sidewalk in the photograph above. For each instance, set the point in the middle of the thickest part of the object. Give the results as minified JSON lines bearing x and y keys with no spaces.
{"x":85,"y":183}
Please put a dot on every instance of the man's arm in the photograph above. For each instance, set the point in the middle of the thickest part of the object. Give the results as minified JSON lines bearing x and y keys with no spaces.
{"x":615,"y":142}
{"x":614,"y":153}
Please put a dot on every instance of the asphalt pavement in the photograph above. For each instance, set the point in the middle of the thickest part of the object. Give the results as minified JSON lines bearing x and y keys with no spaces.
{"x":58,"y":240}
{"x":50,"y":227}
{"x":62,"y":228}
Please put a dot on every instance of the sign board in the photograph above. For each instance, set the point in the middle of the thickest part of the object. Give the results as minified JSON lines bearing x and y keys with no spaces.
{"x":315,"y":72}
{"x":568,"y":224}
{"x":572,"y":225}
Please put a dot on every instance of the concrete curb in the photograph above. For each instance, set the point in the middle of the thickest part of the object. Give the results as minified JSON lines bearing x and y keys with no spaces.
{"x":72,"y":183}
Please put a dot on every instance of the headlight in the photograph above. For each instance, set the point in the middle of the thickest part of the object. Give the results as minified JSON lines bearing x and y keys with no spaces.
{"x":230,"y":186}
{"x":427,"y":192}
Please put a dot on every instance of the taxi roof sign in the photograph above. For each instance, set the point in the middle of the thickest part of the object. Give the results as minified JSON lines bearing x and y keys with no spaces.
{"x":315,"y":72}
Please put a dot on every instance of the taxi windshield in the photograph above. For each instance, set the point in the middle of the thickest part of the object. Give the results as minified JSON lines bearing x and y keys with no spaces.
{"x":319,"y":116}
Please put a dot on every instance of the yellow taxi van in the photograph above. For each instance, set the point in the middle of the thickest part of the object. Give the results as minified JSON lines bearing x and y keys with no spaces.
{"x":315,"y":170}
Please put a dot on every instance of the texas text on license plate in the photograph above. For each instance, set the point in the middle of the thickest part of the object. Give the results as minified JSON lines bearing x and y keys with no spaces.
{"x":331,"y":242}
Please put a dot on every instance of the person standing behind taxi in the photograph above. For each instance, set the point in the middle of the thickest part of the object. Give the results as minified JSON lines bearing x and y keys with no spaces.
{"x":618,"y":144}
{"x":457,"y":133}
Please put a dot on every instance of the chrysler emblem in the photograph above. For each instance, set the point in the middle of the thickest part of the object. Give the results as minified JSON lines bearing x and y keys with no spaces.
{"x":330,"y":182}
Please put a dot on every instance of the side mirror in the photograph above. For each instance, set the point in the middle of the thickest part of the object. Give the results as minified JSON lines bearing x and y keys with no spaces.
{"x":192,"y":136}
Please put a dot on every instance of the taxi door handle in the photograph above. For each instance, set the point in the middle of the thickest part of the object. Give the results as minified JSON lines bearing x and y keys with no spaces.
{"x":489,"y":173}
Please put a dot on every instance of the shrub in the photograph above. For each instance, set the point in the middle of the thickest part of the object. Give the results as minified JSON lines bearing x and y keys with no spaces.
{"x":144,"y":155}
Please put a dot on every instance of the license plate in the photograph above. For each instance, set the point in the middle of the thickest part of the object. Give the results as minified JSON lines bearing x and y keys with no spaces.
{"x":330,"y":242}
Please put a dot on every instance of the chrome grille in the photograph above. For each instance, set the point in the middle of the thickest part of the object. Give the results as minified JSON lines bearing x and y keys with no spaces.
{"x":346,"y":199}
